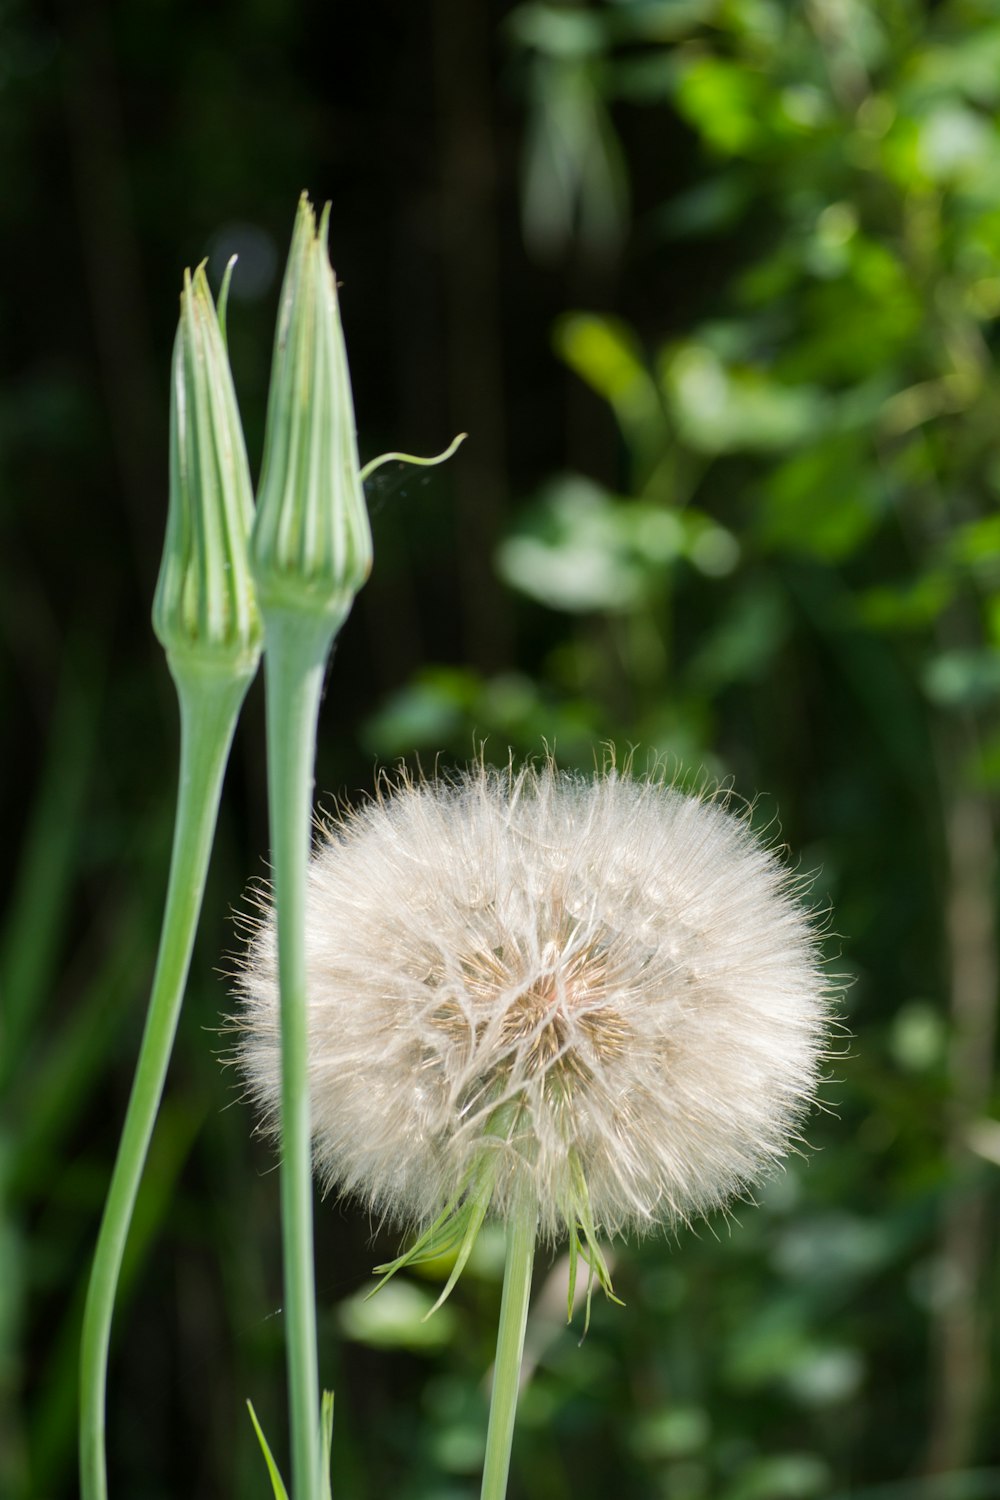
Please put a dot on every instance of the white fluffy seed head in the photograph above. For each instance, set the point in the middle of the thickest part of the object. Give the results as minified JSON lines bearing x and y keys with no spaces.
{"x":607,"y":991}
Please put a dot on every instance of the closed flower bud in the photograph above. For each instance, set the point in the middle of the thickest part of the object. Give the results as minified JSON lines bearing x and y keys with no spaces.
{"x":596,"y":1002}
{"x":312,"y":543}
{"x":205,"y":608}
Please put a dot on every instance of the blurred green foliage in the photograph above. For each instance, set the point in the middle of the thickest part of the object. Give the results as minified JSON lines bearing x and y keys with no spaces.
{"x":730,"y":498}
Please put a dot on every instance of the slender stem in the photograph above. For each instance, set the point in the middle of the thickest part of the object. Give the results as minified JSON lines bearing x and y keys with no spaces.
{"x":297,"y":649}
{"x":510,"y":1347}
{"x":210,"y":702}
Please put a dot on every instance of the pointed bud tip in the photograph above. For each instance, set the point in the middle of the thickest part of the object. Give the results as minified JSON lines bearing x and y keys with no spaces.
{"x":205,"y":608}
{"x":311,"y":542}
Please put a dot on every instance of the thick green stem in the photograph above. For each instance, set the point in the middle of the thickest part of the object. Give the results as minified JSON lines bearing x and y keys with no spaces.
{"x":210,"y":701}
{"x":294,"y":662}
{"x":510,"y":1347}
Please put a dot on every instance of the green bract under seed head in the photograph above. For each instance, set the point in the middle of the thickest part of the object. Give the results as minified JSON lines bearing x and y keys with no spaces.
{"x":205,"y":608}
{"x":312,"y":546}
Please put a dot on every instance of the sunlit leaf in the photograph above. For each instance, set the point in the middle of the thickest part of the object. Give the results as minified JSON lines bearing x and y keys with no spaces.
{"x":397,"y":1318}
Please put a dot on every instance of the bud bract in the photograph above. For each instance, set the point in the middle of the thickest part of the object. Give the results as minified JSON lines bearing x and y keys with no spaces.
{"x":205,"y":607}
{"x":312,"y":546}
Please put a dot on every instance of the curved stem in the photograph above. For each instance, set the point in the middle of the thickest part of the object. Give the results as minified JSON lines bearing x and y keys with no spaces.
{"x":210,"y":702}
{"x":294,"y":661}
{"x":510,"y":1348}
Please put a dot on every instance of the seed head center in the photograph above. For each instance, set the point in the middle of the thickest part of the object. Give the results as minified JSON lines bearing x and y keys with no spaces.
{"x":559,"y":1019}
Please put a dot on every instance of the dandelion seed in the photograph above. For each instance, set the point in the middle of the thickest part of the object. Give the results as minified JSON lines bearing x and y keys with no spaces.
{"x":595,"y":1002}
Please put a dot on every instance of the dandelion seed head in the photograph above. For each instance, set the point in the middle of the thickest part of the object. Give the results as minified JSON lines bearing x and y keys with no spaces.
{"x":600,"y":991}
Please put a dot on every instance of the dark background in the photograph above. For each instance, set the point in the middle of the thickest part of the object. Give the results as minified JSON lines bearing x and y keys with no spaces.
{"x":713,"y":289}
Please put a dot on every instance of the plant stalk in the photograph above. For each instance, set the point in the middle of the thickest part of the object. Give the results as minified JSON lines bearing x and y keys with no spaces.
{"x":210,"y":701}
{"x":297,"y":648}
{"x":510,"y":1348}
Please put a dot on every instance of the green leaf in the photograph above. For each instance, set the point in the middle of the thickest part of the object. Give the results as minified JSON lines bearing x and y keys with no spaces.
{"x":723,"y":408}
{"x":277,"y":1483}
{"x":823,"y":502}
{"x":398,"y":1318}
{"x":963,"y":678}
{"x":726,"y":102}
{"x":607,"y":355}
{"x":326,"y":1442}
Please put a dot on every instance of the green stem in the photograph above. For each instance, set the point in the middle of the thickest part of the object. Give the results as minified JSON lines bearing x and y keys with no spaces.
{"x":210,"y":702}
{"x":510,"y":1347}
{"x":294,"y":662}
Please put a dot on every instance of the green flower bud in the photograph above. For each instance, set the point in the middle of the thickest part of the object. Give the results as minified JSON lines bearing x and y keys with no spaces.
{"x":312,"y":547}
{"x":205,"y":609}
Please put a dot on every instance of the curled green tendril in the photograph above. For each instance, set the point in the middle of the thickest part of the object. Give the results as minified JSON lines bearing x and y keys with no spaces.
{"x":409,"y":458}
